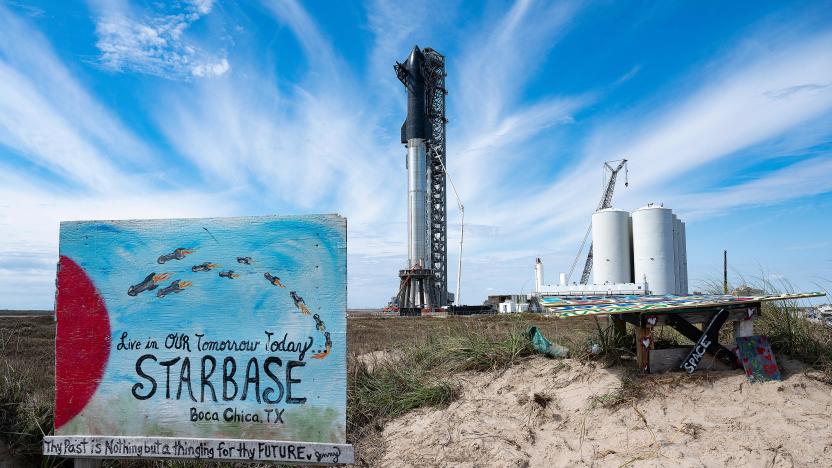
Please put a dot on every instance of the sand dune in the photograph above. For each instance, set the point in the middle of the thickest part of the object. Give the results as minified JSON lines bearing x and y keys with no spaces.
{"x":540,"y":413}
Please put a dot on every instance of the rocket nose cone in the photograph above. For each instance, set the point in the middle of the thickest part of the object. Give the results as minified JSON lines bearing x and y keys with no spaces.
{"x":415,"y":58}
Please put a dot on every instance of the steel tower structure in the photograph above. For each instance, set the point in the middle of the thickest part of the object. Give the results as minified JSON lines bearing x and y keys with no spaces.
{"x":435,"y":93}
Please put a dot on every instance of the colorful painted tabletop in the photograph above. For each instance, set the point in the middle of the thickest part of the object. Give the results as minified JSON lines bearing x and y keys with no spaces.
{"x":574,"y":306}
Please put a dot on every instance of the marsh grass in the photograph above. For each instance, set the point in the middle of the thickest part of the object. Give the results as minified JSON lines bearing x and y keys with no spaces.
{"x":613,"y":348}
{"x":26,"y":387}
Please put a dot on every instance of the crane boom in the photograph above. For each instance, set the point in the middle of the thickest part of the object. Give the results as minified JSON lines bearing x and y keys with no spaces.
{"x":606,"y":202}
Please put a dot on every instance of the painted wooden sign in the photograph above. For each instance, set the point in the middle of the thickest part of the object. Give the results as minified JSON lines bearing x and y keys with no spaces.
{"x":757,"y":358}
{"x":202,"y":338}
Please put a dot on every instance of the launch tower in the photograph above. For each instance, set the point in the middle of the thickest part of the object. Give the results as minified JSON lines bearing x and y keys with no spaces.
{"x":424,"y":282}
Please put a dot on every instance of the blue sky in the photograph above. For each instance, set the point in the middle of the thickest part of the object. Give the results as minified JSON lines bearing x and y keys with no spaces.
{"x":118,"y":109}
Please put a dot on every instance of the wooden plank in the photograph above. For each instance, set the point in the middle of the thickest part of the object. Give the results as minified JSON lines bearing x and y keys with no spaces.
{"x":694,"y":334}
{"x":736,"y":312}
{"x":303,"y":453}
{"x":632,"y":318}
{"x":704,"y":315}
{"x":203,"y":328}
{"x":709,"y":341}
{"x":669,"y":360}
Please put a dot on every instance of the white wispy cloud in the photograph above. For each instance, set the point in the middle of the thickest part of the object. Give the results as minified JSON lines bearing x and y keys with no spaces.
{"x":50,"y":118}
{"x":497,"y":126}
{"x":316,"y":146}
{"x":32,"y":127}
{"x":155,"y":42}
{"x":316,"y":48}
{"x":802,"y":179}
{"x":97,"y":167}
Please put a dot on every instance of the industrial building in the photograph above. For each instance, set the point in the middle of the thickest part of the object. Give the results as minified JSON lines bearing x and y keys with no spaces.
{"x":643,"y":252}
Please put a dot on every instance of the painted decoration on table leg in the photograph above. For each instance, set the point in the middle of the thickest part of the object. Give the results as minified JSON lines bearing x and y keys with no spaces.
{"x":757,"y":358}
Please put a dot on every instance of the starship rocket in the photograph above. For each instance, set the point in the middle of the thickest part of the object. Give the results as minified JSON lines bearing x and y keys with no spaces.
{"x":416,"y":130}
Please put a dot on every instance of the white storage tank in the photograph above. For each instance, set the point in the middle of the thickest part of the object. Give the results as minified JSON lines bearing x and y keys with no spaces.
{"x":538,"y":275}
{"x":611,"y":247}
{"x":654,"y":248}
{"x":677,"y":254}
{"x":684,"y":261}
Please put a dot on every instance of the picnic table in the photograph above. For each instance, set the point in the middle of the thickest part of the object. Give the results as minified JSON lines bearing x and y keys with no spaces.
{"x":682,"y":313}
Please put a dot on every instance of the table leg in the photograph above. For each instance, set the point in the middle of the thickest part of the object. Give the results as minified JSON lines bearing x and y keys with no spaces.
{"x":691,"y":332}
{"x":619,"y":327}
{"x":644,"y":343}
{"x":745,"y":327}
{"x":708,"y":340}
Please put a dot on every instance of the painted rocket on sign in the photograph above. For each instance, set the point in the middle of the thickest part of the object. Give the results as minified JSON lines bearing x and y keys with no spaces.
{"x":150,"y":283}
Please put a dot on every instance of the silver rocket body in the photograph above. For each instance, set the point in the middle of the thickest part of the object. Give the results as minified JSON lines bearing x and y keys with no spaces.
{"x":417,"y":229}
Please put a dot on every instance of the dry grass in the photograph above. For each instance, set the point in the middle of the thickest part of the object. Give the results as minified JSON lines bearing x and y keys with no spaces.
{"x":368,"y":334}
{"x":27,"y":348}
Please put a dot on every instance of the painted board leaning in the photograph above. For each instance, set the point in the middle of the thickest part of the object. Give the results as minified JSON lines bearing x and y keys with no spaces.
{"x":219,"y":339}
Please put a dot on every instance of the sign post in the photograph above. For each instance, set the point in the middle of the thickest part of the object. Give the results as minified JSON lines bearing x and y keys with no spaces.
{"x":213,"y":339}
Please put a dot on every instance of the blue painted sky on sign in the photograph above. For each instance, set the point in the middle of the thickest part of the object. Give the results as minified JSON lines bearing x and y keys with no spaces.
{"x":134,"y":109}
{"x":307,"y":257}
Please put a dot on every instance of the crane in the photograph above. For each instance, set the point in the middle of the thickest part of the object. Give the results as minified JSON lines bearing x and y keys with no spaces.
{"x":606,"y":202}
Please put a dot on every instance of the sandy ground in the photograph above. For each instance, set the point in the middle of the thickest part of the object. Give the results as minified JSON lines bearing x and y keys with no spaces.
{"x":712,"y":419}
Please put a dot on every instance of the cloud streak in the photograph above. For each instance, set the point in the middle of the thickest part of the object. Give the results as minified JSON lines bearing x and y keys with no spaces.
{"x":50,"y":119}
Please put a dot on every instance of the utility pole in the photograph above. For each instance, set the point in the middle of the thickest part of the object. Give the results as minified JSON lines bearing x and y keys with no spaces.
{"x":725,"y":271}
